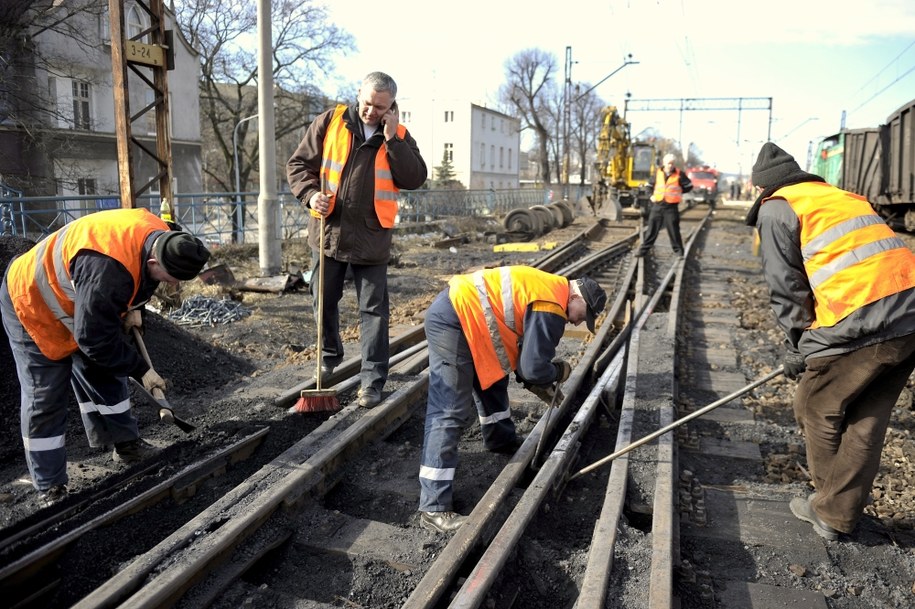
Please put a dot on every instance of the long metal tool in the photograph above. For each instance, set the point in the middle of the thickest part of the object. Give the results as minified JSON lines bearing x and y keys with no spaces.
{"x":166,"y":413}
{"x":679,"y":422}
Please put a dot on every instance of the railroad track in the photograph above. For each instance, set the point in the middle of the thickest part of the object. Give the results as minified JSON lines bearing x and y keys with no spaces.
{"x":346,"y":492}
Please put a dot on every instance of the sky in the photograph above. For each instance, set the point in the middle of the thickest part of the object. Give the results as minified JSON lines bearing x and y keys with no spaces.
{"x":816,"y":59}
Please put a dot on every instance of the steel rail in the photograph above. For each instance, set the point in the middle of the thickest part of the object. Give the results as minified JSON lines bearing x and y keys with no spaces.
{"x":20,"y":573}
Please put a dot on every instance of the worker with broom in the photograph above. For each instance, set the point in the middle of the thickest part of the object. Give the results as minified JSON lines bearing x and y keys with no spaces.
{"x":842,"y":286}
{"x":367,"y":156}
{"x":65,"y":304}
{"x":485,"y":325}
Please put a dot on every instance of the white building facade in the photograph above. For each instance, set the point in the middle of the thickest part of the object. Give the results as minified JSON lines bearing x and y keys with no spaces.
{"x":71,"y":82}
{"x":482,"y":144}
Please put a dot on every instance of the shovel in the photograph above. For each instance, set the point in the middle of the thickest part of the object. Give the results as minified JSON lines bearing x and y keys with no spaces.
{"x":679,"y":422}
{"x":166,"y":413}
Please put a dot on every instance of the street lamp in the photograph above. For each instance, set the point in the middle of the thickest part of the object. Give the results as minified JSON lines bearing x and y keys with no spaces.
{"x":239,"y":214}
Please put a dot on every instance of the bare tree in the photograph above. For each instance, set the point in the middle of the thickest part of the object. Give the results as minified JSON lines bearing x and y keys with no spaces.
{"x":222,"y":31}
{"x":528,"y":89}
{"x":585,"y":125}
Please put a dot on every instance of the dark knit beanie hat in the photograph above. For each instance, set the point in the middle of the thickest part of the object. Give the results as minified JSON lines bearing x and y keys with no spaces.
{"x":181,"y":254}
{"x":773,"y":166}
{"x":595,"y":298}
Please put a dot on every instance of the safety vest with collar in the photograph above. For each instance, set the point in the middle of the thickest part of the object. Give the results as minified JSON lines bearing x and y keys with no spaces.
{"x":39,"y":281}
{"x":851,"y":257}
{"x":667,"y":189}
{"x":491,"y":305}
{"x":337,"y":144}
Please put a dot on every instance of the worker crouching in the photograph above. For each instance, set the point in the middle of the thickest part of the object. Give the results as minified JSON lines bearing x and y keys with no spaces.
{"x":474,"y":330}
{"x":65,"y":305}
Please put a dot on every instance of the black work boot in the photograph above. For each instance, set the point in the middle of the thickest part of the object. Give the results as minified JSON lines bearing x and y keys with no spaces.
{"x":133,"y":451}
{"x":55,"y":494}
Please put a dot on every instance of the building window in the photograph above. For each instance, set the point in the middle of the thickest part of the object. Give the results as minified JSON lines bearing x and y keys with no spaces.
{"x":81,"y":105}
{"x":405,"y":116}
{"x":483,"y":121}
{"x":135,"y":24}
{"x":482,"y":156}
{"x":449,"y":152}
{"x":501,"y":157}
{"x":509,"y":159}
{"x":492,"y":157}
{"x":86,"y":186}
{"x":449,"y":116}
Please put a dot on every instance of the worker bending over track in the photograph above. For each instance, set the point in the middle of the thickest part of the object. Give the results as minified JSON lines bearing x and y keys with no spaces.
{"x":65,"y":304}
{"x":481,"y":328}
{"x":842,"y":286}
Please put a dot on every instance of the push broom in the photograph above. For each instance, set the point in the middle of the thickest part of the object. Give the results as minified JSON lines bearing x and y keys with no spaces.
{"x":318,"y":399}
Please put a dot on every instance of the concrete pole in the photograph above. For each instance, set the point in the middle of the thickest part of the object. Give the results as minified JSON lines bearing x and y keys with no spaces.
{"x":268,"y":209}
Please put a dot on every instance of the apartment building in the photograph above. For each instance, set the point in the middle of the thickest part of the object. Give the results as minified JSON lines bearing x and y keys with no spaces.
{"x":482,"y":144}
{"x":57,"y":129}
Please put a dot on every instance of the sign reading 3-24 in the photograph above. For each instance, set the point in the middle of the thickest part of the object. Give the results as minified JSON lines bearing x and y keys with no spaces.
{"x":147,"y":54}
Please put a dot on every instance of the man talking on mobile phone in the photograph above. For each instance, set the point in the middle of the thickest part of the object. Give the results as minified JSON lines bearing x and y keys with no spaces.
{"x":365,"y":155}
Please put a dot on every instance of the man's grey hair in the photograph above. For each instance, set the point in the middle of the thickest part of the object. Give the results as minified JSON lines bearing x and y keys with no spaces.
{"x":379,"y":81}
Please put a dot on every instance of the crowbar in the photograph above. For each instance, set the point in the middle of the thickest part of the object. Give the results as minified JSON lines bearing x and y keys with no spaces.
{"x":679,"y":422}
{"x":166,"y":413}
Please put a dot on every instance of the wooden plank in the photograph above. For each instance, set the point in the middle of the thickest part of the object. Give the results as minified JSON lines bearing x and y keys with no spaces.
{"x":732,"y":449}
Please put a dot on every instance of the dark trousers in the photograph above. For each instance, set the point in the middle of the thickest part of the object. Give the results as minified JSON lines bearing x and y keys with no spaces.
{"x":45,"y":384}
{"x":668,"y":215}
{"x":374,"y":314}
{"x":843,"y":404}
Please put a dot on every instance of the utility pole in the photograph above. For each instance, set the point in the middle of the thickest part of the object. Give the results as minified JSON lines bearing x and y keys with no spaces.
{"x":268,"y":208}
{"x":149,"y":61}
{"x":566,"y":120}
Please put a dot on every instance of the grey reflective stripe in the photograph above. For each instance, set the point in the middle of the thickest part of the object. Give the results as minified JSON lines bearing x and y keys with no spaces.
{"x":495,"y":417}
{"x":383,"y":174}
{"x":508,"y":298}
{"x":44,"y":286}
{"x":337,"y":168}
{"x":385,"y":195}
{"x":840,"y":230}
{"x":491,"y":320}
{"x":853,"y":257}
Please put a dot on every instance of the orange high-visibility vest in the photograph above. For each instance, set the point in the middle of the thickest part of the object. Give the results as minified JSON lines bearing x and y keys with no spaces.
{"x":337,"y":144}
{"x":667,"y":189}
{"x":39,"y":281}
{"x":491,"y":304}
{"x":851,"y":257}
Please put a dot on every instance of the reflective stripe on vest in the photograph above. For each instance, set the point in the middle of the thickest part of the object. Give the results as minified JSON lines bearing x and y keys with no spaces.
{"x":337,"y":143}
{"x":667,"y":189}
{"x":39,"y":281}
{"x":491,"y":304}
{"x":851,"y":257}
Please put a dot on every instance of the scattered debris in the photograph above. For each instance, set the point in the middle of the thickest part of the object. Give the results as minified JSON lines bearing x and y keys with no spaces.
{"x":199,"y":310}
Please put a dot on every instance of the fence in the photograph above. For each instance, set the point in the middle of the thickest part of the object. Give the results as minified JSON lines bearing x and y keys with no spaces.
{"x":224,"y":218}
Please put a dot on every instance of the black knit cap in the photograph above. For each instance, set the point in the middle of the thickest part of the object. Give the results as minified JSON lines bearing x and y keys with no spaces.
{"x":773,"y":166}
{"x":181,"y":254}
{"x":594,"y":296}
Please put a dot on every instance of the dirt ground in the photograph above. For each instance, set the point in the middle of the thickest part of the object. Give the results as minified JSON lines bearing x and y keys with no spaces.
{"x":243,"y":364}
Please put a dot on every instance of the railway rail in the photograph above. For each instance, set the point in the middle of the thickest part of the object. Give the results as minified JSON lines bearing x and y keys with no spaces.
{"x":344,"y":493}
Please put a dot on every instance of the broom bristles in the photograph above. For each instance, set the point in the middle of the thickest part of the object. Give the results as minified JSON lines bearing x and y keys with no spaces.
{"x":316,"y":401}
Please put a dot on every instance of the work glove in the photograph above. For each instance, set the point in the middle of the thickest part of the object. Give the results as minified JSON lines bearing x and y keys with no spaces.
{"x":547,"y":393}
{"x":133,"y":319}
{"x":794,"y":365}
{"x":563,"y":370}
{"x":153,"y":383}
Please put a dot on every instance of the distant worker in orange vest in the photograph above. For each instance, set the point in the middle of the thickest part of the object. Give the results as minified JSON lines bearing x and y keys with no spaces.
{"x":668,"y":185}
{"x":481,"y":328}
{"x":365,"y":156}
{"x":842,"y":286}
{"x":66,"y":304}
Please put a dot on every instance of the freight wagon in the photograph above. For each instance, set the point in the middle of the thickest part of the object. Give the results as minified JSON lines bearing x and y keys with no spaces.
{"x":877,"y":162}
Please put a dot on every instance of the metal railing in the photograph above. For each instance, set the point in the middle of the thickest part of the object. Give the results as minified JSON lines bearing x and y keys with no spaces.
{"x":224,"y":218}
